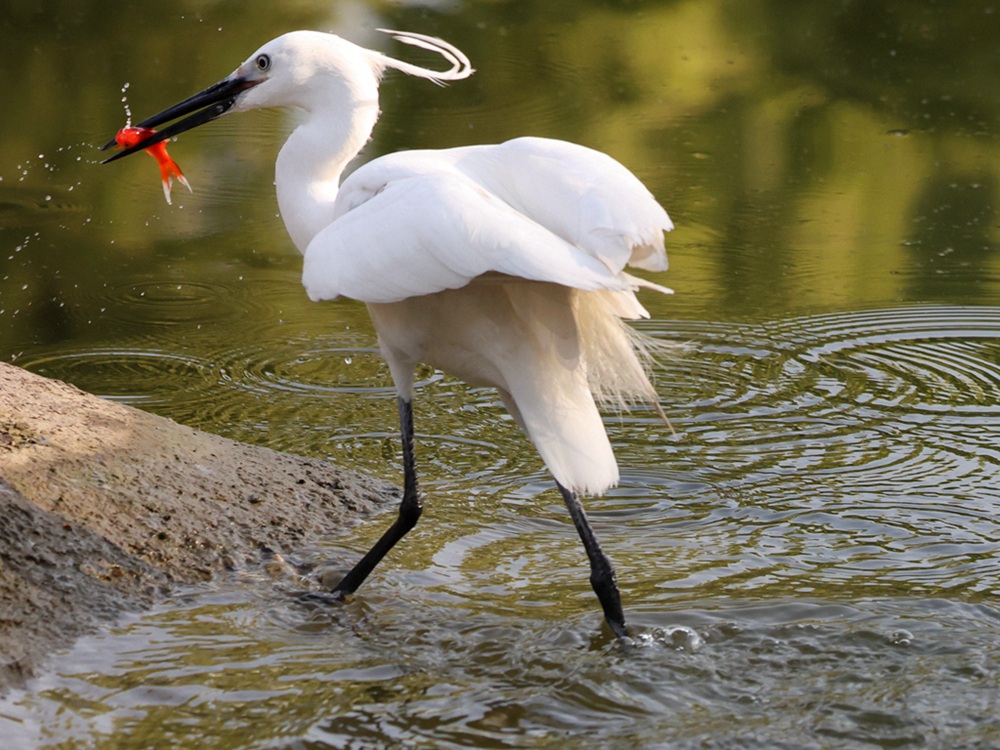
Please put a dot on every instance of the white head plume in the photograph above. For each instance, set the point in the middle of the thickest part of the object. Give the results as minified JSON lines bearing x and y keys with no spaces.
{"x":460,"y":68}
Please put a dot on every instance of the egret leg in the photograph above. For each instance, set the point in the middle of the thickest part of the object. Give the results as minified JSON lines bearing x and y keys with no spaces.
{"x":602,"y":572}
{"x":410,"y":509}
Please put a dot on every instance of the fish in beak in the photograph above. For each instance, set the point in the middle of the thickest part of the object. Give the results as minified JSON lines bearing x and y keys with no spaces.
{"x":196,"y":110}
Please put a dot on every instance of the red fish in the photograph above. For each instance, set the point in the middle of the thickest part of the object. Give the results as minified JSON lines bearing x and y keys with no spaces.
{"x":130,"y":136}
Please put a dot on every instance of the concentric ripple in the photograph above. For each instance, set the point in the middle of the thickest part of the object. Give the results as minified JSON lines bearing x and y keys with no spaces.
{"x":144,"y":303}
{"x":854,"y":449}
{"x":825,"y":375}
{"x":142,"y":377}
{"x":150,"y":302}
{"x":925,"y":358}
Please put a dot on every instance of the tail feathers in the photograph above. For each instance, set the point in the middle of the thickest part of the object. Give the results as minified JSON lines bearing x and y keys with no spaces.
{"x":588,"y":357}
{"x":568,"y":432}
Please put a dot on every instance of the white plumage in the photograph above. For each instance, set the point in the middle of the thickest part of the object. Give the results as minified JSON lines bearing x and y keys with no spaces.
{"x":407,"y":227}
{"x":501,"y":264}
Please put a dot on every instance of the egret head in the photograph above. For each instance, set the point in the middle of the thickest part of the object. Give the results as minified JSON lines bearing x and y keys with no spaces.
{"x":301,"y":69}
{"x":308,"y":70}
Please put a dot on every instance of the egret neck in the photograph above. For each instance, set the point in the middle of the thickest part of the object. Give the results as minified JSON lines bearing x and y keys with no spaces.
{"x":310,"y":164}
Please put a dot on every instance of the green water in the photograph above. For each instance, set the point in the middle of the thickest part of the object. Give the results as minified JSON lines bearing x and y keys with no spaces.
{"x":814,"y":562}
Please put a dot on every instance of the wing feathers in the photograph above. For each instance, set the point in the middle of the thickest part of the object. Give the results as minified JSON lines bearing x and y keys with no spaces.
{"x":420,"y":222}
{"x":428,"y":233}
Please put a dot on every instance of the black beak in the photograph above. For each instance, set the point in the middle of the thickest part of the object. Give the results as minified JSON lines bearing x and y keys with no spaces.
{"x":207,"y":105}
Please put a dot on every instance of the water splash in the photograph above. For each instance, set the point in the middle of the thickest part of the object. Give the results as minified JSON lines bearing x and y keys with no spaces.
{"x":128,"y":109}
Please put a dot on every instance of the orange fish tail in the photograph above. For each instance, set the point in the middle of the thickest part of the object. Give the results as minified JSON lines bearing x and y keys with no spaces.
{"x":168,"y":169}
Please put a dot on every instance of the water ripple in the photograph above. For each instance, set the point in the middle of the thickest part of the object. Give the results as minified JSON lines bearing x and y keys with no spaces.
{"x":132,"y":375}
{"x":841,"y":380}
{"x":852,"y":450}
{"x":826,"y":527}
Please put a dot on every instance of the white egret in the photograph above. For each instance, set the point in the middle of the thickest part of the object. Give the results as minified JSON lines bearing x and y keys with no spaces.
{"x":500,"y":264}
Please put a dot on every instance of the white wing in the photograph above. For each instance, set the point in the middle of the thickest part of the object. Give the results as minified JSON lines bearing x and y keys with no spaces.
{"x":419,"y":222}
{"x":581,"y":194}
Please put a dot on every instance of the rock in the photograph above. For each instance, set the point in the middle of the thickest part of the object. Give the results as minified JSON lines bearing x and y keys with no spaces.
{"x":105,"y":508}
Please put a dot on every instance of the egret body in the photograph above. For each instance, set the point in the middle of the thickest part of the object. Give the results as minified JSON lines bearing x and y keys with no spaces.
{"x":500,"y":264}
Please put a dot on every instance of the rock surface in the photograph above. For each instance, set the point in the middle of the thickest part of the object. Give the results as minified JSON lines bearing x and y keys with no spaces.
{"x":104,"y":509}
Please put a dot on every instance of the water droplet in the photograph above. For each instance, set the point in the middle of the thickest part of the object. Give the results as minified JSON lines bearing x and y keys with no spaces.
{"x":901,"y":638}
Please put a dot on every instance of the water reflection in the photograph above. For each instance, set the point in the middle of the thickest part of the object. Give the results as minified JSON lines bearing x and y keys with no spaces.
{"x":826,"y":522}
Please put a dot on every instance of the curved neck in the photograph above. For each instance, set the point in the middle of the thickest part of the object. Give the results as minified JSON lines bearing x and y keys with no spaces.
{"x":309,"y":166}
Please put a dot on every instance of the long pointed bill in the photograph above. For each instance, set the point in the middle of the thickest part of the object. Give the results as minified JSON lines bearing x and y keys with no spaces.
{"x":206,"y":105}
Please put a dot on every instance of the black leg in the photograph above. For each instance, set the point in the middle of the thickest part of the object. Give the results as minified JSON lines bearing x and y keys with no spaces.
{"x":602,"y":573}
{"x":410,"y":509}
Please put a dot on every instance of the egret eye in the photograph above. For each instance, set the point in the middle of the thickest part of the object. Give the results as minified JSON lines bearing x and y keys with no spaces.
{"x":263,"y":63}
